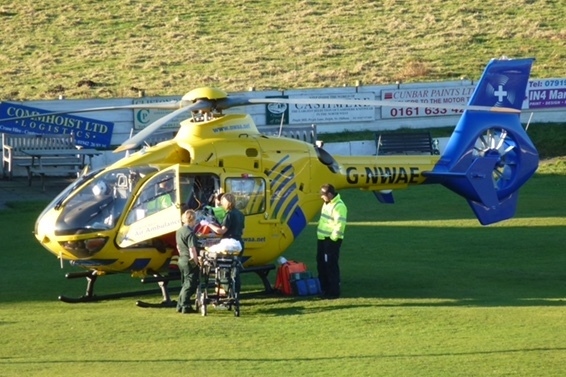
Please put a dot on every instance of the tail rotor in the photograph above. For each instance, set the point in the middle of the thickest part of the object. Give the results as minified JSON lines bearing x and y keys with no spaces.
{"x":490,"y":157}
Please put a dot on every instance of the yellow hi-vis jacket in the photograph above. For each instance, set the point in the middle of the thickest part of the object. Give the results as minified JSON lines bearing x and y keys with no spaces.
{"x":332,"y":219}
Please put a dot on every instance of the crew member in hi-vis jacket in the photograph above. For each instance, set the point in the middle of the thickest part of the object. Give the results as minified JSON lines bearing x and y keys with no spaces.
{"x":330,"y":233}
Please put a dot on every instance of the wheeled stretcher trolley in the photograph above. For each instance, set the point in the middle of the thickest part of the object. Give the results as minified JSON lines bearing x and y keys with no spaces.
{"x":219,"y":282}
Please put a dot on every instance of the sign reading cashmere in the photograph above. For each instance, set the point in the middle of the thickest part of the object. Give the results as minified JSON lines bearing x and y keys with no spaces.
{"x":300,"y":113}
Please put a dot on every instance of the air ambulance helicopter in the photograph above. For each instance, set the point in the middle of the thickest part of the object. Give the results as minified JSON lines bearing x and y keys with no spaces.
{"x":110,"y":220}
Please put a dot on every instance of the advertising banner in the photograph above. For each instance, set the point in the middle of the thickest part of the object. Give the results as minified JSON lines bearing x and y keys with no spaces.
{"x":546,"y":93}
{"x":332,"y":113}
{"x":277,"y":113}
{"x":90,"y":133}
{"x":459,"y":95}
{"x":144,"y":117}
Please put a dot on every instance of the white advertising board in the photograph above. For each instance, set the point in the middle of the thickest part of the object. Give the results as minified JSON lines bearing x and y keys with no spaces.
{"x":437,"y":96}
{"x":324,"y":113}
{"x":144,"y":117}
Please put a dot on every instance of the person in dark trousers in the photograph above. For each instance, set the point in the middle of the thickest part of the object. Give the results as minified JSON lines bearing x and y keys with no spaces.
{"x":330,"y":233}
{"x":188,"y":261}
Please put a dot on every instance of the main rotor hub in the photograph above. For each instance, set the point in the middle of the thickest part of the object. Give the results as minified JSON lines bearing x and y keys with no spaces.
{"x":207,"y":93}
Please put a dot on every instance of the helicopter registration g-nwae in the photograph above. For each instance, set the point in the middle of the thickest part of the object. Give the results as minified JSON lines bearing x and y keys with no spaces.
{"x":108,"y":220}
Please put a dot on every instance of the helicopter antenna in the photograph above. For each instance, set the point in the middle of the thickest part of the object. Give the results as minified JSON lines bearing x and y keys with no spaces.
{"x":127,"y":154}
{"x":281,"y":125}
{"x":529,"y":122}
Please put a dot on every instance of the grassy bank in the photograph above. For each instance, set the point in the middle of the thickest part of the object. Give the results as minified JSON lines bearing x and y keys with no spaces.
{"x":118,"y":48}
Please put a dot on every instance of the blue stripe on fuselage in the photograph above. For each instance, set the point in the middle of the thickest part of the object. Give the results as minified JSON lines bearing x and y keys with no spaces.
{"x":297,"y":222}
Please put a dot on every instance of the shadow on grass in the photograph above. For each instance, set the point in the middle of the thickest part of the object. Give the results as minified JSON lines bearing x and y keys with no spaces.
{"x":11,"y":360}
{"x":420,"y":265}
{"x":292,"y":308}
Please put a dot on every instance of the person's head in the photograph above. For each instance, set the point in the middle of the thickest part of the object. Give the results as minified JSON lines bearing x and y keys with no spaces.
{"x":165,"y":185}
{"x":100,"y":189}
{"x":218,"y":199}
{"x":327,"y":192}
{"x":189,"y":217}
{"x":228,"y":201}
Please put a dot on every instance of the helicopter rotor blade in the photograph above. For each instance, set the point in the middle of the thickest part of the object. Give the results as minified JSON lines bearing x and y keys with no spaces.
{"x":173,"y":105}
{"x":137,"y":139}
{"x":228,"y":102}
{"x":379,"y":103}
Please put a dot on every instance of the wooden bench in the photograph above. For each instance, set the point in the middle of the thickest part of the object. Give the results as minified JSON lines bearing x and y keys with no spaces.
{"x":14,"y":144}
{"x":407,"y":143}
{"x":57,"y":162}
{"x":42,"y":155}
{"x":304,"y":133}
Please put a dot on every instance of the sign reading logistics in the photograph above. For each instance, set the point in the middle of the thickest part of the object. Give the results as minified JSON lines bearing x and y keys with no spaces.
{"x":90,"y":133}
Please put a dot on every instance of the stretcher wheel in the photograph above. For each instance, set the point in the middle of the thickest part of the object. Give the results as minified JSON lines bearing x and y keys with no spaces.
{"x":237,"y":308}
{"x":234,"y":300}
{"x":200,"y":301}
{"x":203,"y":310}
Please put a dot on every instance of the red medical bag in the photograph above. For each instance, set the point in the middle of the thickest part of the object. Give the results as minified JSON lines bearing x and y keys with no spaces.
{"x":285,"y":274}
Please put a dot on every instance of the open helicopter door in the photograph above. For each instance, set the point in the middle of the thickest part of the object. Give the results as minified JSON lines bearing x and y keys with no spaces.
{"x":155,"y":210}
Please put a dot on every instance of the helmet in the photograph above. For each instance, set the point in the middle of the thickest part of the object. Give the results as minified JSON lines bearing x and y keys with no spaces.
{"x":100,"y":188}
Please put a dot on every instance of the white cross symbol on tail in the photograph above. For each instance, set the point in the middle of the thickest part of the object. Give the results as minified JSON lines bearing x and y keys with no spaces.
{"x":500,"y":93}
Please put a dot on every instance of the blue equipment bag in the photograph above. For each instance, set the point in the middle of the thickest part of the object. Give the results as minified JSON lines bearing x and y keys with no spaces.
{"x":307,"y":287}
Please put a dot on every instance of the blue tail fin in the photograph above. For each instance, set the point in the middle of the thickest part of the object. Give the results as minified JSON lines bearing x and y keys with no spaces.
{"x":503,"y":84}
{"x":489,"y":156}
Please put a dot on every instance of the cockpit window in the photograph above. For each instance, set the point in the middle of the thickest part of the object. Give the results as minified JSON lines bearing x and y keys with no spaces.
{"x":249,"y":193}
{"x":99,"y":204}
{"x":158,"y":194}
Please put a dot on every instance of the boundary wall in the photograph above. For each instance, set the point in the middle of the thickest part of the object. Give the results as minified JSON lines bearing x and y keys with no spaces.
{"x":539,"y":107}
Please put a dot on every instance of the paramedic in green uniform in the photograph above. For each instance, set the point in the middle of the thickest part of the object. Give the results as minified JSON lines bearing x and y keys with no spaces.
{"x":188,"y":261}
{"x":232,"y":227}
{"x":233,"y":223}
{"x":162,"y":198}
{"x":330,"y":233}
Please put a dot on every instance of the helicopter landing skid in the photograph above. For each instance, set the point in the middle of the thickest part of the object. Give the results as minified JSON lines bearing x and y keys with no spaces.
{"x":89,"y":295}
{"x":162,"y":304}
{"x":162,"y":281}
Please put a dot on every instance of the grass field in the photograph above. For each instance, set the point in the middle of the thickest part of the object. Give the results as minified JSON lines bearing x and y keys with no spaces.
{"x":427,"y":292}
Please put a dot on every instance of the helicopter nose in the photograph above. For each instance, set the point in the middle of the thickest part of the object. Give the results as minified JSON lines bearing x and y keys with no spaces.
{"x":84,"y":248}
{"x":71,"y":246}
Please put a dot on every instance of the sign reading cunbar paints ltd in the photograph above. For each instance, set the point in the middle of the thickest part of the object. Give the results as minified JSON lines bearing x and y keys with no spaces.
{"x":457,"y":95}
{"x":90,"y":133}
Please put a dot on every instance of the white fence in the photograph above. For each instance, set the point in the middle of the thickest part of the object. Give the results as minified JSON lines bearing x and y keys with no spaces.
{"x":328,"y":120}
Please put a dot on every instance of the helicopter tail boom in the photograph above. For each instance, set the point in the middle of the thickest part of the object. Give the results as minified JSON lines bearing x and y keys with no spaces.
{"x":489,"y":156}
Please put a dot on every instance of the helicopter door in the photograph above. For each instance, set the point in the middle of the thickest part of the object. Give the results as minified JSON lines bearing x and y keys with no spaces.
{"x":155,"y":210}
{"x":250,"y":194}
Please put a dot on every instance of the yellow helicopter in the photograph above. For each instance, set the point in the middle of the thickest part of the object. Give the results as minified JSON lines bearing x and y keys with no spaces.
{"x":116,"y":219}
